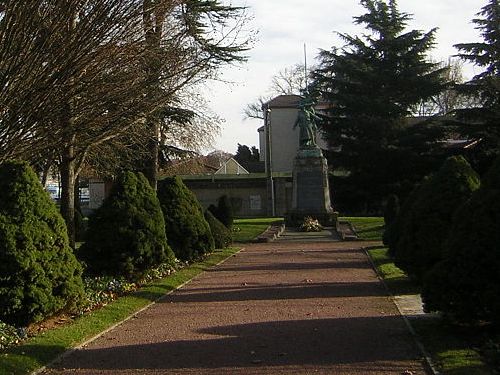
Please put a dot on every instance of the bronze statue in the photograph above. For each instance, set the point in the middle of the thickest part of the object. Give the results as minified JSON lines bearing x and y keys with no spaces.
{"x":306,"y":120}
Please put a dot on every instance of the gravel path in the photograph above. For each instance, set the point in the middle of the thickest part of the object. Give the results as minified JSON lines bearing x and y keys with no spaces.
{"x":276,"y":308}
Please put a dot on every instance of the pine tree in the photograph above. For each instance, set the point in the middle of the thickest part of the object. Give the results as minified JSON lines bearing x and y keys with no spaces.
{"x":465,"y":285}
{"x":482,"y":121}
{"x":188,"y":233}
{"x":372,"y":83}
{"x":39,"y":274}
{"x":126,"y":235}
{"x":422,"y":236}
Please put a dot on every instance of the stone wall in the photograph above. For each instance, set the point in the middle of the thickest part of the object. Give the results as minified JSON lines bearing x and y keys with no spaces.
{"x":248,"y":193}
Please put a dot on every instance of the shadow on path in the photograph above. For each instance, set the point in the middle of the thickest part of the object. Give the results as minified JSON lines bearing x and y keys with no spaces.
{"x":277,"y":292}
{"x":280,"y":343}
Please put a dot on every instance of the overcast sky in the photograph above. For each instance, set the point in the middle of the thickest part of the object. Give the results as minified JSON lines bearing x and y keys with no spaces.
{"x":285,"y":25}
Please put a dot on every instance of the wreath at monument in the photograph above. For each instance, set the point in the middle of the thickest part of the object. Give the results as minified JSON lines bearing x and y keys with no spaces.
{"x":310,"y":225}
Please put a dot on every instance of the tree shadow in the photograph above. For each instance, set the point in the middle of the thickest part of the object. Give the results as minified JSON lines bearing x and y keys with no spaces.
{"x":379,"y":343}
{"x":296,"y":266}
{"x":283,"y":291}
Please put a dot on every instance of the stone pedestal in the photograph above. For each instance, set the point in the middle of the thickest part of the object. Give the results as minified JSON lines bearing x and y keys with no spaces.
{"x":311,"y":193}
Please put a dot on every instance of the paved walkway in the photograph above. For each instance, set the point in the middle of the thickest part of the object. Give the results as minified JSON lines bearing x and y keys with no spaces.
{"x":286,"y":307}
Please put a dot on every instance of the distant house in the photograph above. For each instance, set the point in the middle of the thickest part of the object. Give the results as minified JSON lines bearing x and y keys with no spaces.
{"x":231,"y":166}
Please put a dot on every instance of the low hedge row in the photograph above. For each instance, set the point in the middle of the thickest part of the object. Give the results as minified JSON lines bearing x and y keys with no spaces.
{"x":132,"y":233}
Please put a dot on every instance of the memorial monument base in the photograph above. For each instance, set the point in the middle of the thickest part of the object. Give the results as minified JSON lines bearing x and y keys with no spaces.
{"x":311,"y":192}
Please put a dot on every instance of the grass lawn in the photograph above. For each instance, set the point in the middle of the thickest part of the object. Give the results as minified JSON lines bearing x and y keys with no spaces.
{"x":367,"y":228}
{"x":42,"y":349}
{"x":453,"y":349}
{"x":251,"y":228}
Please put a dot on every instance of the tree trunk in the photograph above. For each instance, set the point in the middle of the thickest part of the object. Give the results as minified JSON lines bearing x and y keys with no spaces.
{"x":68,"y":190}
{"x":153,"y":18}
{"x":151,"y":170}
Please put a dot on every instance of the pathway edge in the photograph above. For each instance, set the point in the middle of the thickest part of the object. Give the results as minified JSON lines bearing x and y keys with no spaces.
{"x":131,"y":316}
{"x":425,"y":354}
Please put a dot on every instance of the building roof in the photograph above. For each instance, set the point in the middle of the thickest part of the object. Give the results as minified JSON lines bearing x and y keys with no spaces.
{"x":231,"y":166}
{"x":283,"y":101}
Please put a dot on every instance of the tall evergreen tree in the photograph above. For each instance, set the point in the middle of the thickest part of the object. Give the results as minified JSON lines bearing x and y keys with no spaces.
{"x":482,"y":121}
{"x":372,"y":83}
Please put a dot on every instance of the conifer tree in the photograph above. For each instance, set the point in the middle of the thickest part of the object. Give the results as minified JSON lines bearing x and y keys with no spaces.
{"x":372,"y":83}
{"x":483,"y":121}
{"x":422,"y":236}
{"x":465,"y":285}
{"x":39,"y":274}
{"x":126,"y":235}
{"x":188,"y":233}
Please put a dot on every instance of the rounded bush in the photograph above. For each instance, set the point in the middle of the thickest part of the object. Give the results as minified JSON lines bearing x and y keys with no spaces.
{"x":390,"y":214}
{"x":126,"y":235}
{"x":188,"y":232}
{"x":465,"y":285}
{"x":39,"y":274}
{"x":222,"y":235}
{"x":391,"y":209}
{"x":225,"y":211}
{"x":427,"y":226}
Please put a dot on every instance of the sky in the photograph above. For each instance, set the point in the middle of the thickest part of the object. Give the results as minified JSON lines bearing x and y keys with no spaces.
{"x":284,"y":26}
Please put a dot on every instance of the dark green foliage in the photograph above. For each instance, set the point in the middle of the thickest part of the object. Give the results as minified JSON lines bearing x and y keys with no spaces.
{"x":466,"y":284}
{"x":187,"y":230}
{"x":126,"y":235}
{"x":483,"y":120}
{"x":246,"y":154}
{"x":213,"y":209}
{"x":425,"y":228}
{"x":391,"y":209}
{"x":80,"y":226}
{"x":390,"y":213}
{"x":225,"y":211}
{"x":39,"y":274}
{"x":373,"y":83}
{"x":222,"y":235}
{"x":397,"y":238}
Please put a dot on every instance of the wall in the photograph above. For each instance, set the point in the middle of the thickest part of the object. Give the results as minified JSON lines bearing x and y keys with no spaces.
{"x":248,"y":193}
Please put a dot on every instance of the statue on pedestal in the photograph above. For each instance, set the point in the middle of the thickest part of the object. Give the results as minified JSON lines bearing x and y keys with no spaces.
{"x":306,"y":121}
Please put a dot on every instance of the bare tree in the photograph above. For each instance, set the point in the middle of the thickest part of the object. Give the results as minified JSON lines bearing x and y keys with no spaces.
{"x":186,"y":41}
{"x":289,"y":81}
{"x":68,"y":81}
{"x":79,"y":76}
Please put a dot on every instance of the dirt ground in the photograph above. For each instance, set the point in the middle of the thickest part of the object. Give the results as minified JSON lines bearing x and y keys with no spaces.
{"x":278,"y":308}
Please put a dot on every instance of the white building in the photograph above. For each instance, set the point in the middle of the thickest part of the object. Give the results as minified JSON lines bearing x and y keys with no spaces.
{"x":280,"y":115}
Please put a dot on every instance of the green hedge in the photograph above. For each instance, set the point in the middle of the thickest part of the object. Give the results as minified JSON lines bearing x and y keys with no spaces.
{"x":222,"y":235}
{"x":466,"y":284}
{"x":426,"y":227}
{"x":39,"y":274}
{"x":126,"y":235}
{"x":188,"y":232}
{"x":223,"y":211}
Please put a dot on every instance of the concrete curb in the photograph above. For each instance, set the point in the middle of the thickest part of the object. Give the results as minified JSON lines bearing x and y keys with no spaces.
{"x":431,"y":367}
{"x":272,"y":232}
{"x":131,"y":316}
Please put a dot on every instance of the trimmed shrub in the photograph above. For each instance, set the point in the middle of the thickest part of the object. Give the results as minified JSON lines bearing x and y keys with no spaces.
{"x":39,"y":274}
{"x":397,"y":238}
{"x":225,"y":211}
{"x":420,"y":243}
{"x":391,"y":209}
{"x":390,"y":214}
{"x":466,"y":284}
{"x":222,"y":235}
{"x":188,"y":232}
{"x":126,"y":235}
